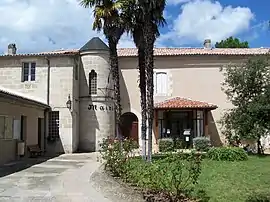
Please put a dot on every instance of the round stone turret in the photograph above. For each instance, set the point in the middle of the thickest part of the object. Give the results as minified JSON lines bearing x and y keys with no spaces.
{"x":97,"y":113}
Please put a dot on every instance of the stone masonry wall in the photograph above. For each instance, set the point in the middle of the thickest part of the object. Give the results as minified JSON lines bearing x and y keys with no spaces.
{"x":97,"y":117}
{"x":61,"y":85}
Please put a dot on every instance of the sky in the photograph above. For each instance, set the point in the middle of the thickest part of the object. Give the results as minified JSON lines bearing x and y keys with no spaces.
{"x":38,"y":25}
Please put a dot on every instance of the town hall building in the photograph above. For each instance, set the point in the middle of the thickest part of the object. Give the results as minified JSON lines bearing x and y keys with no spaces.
{"x":63,"y":101}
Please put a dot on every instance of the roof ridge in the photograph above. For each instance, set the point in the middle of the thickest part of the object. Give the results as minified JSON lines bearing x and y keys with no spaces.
{"x":213,"y":48}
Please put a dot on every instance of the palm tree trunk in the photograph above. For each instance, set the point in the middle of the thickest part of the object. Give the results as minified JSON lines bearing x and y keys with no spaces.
{"x":116,"y":80}
{"x":142,"y":85}
{"x":149,"y":38}
{"x":259,"y":146}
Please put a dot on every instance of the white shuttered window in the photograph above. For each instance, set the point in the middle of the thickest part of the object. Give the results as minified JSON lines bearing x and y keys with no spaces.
{"x":6,"y":127}
{"x":160,"y":83}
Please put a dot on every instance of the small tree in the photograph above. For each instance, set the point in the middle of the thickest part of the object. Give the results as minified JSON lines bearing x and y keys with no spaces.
{"x":248,"y":89}
{"x":231,"y":43}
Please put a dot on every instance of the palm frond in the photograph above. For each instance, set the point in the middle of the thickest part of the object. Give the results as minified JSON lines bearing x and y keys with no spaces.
{"x":90,"y":3}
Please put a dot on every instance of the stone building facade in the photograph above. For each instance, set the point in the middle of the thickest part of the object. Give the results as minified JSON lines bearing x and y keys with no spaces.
{"x":76,"y":87}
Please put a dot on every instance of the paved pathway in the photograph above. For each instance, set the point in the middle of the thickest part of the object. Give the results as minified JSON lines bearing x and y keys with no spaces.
{"x":66,"y":178}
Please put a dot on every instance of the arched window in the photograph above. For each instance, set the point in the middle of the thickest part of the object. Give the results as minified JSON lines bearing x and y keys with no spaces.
{"x":92,"y":82}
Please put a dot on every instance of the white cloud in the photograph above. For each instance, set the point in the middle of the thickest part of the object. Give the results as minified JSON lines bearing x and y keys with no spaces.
{"x":203,"y":19}
{"x":175,"y":2}
{"x":38,"y":25}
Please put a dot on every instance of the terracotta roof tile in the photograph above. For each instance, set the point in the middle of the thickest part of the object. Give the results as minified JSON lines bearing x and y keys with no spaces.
{"x":132,"y":52}
{"x":49,"y":53}
{"x":183,"y":103}
{"x":128,"y":52}
{"x":24,"y":96}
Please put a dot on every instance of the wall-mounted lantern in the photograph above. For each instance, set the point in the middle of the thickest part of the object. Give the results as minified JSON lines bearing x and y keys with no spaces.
{"x":68,"y":103}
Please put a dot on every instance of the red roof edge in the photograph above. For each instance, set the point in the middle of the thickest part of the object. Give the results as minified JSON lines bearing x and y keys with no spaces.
{"x":184,"y":103}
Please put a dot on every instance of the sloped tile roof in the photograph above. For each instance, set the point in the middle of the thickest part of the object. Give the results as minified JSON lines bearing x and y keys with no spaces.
{"x":49,"y":53}
{"x":132,"y":52}
{"x":128,"y":52}
{"x":183,"y":103}
{"x":15,"y":94}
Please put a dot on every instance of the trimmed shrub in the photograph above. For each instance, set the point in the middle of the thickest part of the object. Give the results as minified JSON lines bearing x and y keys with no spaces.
{"x":178,"y":144}
{"x":227,"y":154}
{"x":262,"y":197}
{"x":202,"y":143}
{"x":166,"y":146}
{"x":171,"y":176}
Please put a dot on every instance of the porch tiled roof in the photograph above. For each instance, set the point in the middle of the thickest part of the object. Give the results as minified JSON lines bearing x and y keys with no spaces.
{"x":183,"y":103}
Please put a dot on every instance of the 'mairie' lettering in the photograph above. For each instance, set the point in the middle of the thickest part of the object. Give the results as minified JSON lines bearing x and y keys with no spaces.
{"x":92,"y":107}
{"x":101,"y":108}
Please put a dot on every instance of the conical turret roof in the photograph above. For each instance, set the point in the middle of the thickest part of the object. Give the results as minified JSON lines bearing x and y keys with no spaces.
{"x":95,"y":44}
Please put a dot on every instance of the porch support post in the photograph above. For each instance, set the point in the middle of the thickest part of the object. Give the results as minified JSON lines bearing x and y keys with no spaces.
{"x":206,"y":122}
{"x":155,"y":128}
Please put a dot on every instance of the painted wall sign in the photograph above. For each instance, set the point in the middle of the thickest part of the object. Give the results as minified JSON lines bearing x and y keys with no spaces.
{"x":100,"y":108}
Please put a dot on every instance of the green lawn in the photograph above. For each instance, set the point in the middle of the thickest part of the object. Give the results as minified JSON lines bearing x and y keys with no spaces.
{"x":234,"y":181}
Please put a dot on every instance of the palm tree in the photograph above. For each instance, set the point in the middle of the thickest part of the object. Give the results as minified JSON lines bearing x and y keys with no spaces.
{"x":133,"y":15}
{"x":138,"y":39}
{"x":152,"y":17}
{"x":107,"y":18}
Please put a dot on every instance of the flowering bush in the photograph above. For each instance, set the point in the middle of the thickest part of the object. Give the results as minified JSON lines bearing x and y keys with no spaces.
{"x":116,"y":153}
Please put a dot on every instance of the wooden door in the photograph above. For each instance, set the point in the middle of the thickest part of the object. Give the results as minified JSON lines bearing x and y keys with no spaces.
{"x":134,"y":131}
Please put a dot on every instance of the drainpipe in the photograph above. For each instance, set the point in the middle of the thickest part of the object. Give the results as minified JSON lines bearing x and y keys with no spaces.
{"x":48,"y":102}
{"x":45,"y":128}
{"x":48,"y":79}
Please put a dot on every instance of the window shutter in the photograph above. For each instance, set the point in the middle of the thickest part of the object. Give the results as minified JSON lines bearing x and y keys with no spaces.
{"x":155,"y":83}
{"x":159,"y":83}
{"x":2,"y":127}
{"x":22,"y":73}
{"x":8,"y":128}
{"x":33,"y":71}
{"x":164,"y":83}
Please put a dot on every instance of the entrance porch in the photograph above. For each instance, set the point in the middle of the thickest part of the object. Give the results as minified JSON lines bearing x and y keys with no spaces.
{"x":183,"y":119}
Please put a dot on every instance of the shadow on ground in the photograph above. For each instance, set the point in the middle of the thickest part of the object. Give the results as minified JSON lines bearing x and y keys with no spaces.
{"x":19,"y":165}
{"x":114,"y":189}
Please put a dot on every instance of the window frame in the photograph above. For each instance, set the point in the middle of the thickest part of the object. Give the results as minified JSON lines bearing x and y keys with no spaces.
{"x":156,"y":72}
{"x":54,"y":125}
{"x":199,"y":123}
{"x":5,"y":127}
{"x":92,"y":86}
{"x":31,"y":72}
